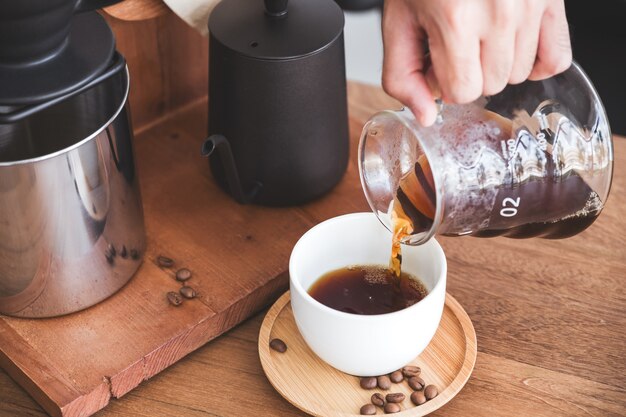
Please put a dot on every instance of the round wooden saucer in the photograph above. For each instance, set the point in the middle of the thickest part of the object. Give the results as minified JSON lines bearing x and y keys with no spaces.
{"x":315,"y":387}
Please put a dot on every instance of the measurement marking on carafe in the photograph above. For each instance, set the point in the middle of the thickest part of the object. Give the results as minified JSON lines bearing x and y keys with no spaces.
{"x":510,"y":147}
{"x":508,"y":211}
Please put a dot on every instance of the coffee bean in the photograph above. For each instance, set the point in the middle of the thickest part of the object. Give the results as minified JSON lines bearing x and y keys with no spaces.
{"x":378,"y":399}
{"x":174,"y":298}
{"x":384,"y":382}
{"x":418,"y":398}
{"x":188,"y":292}
{"x":183,"y":274}
{"x":134,"y":254}
{"x":396,"y":397}
{"x":278,"y":345}
{"x":123,"y":252}
{"x":165,"y":262}
{"x":410,"y":371}
{"x":391,"y":408}
{"x":368,"y":382}
{"x":430,"y":392}
{"x":416,"y":383}
{"x":112,"y":250}
{"x":396,"y":377}
{"x":368,"y":410}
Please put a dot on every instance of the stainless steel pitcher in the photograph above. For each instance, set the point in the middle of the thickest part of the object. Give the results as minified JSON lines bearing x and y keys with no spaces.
{"x":71,"y":219}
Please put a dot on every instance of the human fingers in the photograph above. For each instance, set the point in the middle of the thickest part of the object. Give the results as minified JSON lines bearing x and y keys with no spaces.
{"x":404,"y":62}
{"x":526,"y":41}
{"x":455,"y":53}
{"x":497,"y":48}
{"x":554,"y":51}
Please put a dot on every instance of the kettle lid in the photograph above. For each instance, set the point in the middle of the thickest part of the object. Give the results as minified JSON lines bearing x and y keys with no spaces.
{"x":276,"y":29}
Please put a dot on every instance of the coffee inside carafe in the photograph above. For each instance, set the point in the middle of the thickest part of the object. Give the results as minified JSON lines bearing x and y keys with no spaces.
{"x":540,"y":192}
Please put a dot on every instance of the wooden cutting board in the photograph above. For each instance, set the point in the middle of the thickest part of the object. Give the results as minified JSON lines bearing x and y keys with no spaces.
{"x":75,"y":365}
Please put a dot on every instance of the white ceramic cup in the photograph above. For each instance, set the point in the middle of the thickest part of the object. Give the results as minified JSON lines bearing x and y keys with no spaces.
{"x":364,"y":345}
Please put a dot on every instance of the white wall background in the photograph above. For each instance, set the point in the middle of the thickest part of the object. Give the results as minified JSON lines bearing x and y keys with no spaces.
{"x":364,"y":46}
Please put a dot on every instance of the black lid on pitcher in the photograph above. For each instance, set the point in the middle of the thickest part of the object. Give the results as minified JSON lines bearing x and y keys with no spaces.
{"x":276,"y":29}
{"x":49,"y":48}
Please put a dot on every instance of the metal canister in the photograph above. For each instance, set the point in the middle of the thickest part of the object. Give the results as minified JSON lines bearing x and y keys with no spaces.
{"x":71,"y":219}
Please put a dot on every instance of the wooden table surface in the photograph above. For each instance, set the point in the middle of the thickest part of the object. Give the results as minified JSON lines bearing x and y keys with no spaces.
{"x":550,"y":318}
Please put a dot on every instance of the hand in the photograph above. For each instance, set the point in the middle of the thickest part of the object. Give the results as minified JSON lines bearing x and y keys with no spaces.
{"x":476,"y":48}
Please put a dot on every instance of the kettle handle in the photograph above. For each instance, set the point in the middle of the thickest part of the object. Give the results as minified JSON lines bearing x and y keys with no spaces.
{"x":87,"y":5}
{"x":276,"y":8}
{"x":220,"y":144}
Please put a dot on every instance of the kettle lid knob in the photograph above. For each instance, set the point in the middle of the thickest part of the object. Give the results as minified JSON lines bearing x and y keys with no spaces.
{"x":276,"y":8}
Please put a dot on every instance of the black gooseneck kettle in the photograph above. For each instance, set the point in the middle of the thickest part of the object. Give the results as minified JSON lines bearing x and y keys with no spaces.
{"x":278,"y":123}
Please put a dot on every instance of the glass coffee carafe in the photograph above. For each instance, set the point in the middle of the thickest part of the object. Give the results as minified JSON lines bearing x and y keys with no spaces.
{"x":534,"y":160}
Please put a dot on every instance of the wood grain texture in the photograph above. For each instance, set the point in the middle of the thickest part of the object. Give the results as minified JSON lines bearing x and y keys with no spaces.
{"x":315,"y":387}
{"x":550,"y":316}
{"x":168,"y":63}
{"x":133,"y":10}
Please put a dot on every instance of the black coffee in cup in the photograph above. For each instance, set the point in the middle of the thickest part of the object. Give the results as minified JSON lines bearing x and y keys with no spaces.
{"x":367,"y":290}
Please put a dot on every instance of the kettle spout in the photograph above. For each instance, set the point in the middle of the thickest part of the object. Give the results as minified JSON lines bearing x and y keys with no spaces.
{"x":219,"y":144}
